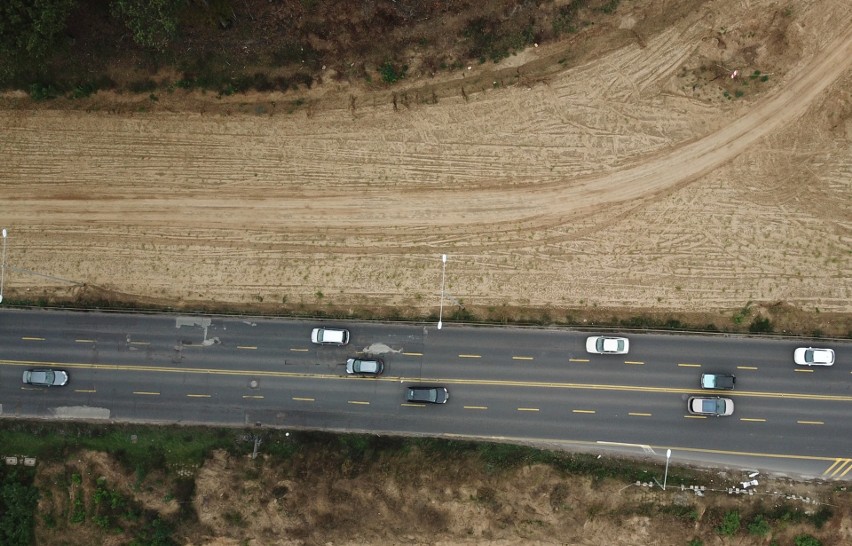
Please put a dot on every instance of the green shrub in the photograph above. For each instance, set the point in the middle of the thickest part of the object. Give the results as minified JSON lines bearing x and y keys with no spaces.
{"x":730,"y":524}
{"x":759,"y":527}
{"x":390,"y":73}
{"x":760,"y":325}
{"x":807,"y":540}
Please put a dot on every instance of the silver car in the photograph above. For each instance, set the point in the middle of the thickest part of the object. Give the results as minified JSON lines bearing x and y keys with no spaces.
{"x":45,"y":378}
{"x":710,"y":405}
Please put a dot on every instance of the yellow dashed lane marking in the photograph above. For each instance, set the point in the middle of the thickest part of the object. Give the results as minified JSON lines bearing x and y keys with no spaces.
{"x":84,"y":340}
{"x":298,"y":350}
{"x":198,"y":396}
{"x":695,"y":416}
{"x":583,"y":411}
{"x":33,"y":338}
{"x":299,"y":399}
{"x":810,"y":422}
{"x":253,"y":396}
{"x":689,"y":365}
{"x":451,"y":381}
{"x":803,"y":371}
{"x":528,"y":409}
{"x":413,"y":354}
{"x":752,"y":420}
{"x":522,"y":358}
{"x":247,"y":347}
{"x":146,"y":393}
{"x":470,"y":356}
{"x":476,"y":407}
{"x":634,"y":362}
{"x":359,"y":402}
{"x":85,"y":390}
{"x":746,"y":367}
{"x":578,"y":360}
{"x":636,"y":414}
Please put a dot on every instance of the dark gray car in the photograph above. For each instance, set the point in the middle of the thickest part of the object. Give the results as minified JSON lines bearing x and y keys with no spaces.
{"x":45,"y":378}
{"x":365,"y":366}
{"x":422,"y":394}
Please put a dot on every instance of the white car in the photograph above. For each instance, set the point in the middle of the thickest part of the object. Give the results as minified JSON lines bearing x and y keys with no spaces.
{"x":330,"y":336}
{"x":808,"y":356}
{"x":603,"y":345}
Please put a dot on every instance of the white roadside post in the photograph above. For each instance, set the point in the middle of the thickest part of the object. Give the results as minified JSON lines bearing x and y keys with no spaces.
{"x":665,"y":477}
{"x":3,"y":267}
{"x":443,"y":271}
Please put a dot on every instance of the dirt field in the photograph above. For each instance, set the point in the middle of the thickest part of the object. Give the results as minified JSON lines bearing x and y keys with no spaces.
{"x":620,"y":168}
{"x":319,"y":499}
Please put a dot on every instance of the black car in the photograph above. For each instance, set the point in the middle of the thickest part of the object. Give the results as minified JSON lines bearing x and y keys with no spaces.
{"x":45,"y":378}
{"x":718,"y":381}
{"x":427,"y":395}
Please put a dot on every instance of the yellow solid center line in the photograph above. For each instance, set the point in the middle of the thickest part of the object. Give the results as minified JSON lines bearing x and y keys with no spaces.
{"x":253,"y":396}
{"x":33,"y":338}
{"x":85,"y":390}
{"x":578,"y":360}
{"x":689,"y":365}
{"x":198,"y":396}
{"x":803,"y":371}
{"x":636,"y":414}
{"x":634,"y":362}
{"x":147,"y":393}
{"x":752,"y":420}
{"x":470,"y":356}
{"x":746,"y":367}
{"x":476,"y":407}
{"x":413,"y":354}
{"x":522,"y":358}
{"x":247,"y":347}
{"x":359,"y":402}
{"x":810,"y":422}
{"x":528,"y":409}
{"x":695,"y":416}
{"x":296,"y":350}
{"x":583,"y":411}
{"x":298,"y":399}
{"x":84,"y":340}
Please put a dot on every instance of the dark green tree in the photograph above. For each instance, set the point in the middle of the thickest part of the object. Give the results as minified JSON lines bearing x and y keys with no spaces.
{"x":29,"y":29}
{"x":153,"y":23}
{"x":18,"y":503}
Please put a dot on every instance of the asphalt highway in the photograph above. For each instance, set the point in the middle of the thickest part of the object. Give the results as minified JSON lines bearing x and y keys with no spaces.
{"x":530,"y":385}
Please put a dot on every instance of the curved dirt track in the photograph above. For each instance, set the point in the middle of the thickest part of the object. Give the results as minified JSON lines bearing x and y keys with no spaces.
{"x":541,"y":195}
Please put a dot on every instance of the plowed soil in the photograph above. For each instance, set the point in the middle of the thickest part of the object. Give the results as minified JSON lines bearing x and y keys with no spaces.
{"x":623,"y":167}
